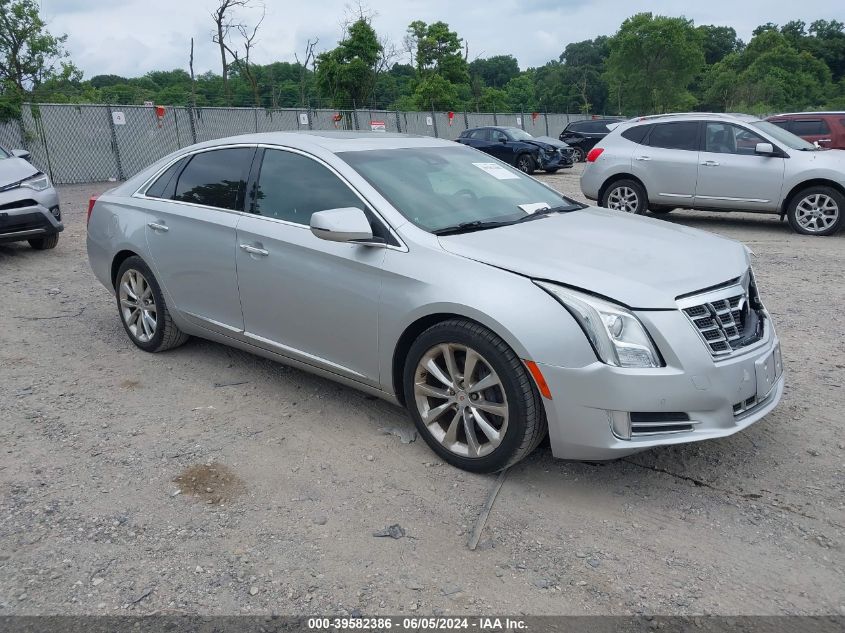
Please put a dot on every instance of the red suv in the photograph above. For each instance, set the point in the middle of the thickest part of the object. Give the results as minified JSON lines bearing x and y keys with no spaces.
{"x":825,"y":128}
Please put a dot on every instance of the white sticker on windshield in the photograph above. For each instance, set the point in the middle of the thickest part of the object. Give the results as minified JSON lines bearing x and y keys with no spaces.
{"x":533,"y":207}
{"x":497,"y":171}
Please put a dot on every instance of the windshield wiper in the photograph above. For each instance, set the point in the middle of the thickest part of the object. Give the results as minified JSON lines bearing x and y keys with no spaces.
{"x":564,"y":208}
{"x":467,"y":227}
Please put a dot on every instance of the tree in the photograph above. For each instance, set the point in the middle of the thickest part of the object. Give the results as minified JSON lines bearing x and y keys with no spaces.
{"x":223,"y":24}
{"x":29,"y":53}
{"x":439,"y":50}
{"x":242,"y":60}
{"x":348,"y":73}
{"x":494,"y":71}
{"x":718,"y":42}
{"x":652,"y":61}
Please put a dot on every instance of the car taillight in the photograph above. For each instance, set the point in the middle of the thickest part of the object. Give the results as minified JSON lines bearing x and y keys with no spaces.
{"x":91,"y":202}
{"x":594,"y":153}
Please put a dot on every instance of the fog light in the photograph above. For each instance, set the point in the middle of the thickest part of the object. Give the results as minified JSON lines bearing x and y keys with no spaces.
{"x":620,"y":424}
{"x":56,"y":212}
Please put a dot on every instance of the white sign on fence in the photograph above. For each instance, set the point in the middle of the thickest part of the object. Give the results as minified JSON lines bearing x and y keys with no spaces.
{"x":148,"y":104}
{"x":519,"y":121}
{"x":429,"y":121}
{"x":303,"y":118}
{"x":378,"y":126}
{"x":118,"y":118}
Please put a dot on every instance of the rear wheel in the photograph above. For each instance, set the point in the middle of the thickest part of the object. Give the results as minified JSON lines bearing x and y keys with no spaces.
{"x":525,"y":163}
{"x":471,"y":397}
{"x":45,"y":243}
{"x":816,"y":211}
{"x":625,"y":195}
{"x":142,"y":309}
{"x":578,"y":155}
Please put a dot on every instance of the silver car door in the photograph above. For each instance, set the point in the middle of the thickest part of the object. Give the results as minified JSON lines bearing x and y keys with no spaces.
{"x":731,"y":175}
{"x":304,"y":297}
{"x":667,"y":162}
{"x":191,"y":236}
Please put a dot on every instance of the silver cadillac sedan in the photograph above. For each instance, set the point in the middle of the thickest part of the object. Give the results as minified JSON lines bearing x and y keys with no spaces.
{"x":427,"y":273}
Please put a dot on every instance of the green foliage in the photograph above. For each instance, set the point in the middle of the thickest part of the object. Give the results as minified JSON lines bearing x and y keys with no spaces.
{"x":348,"y":73}
{"x":652,"y":62}
{"x":495,"y":71}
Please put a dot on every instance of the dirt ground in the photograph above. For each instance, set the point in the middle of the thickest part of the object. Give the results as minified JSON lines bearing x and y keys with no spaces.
{"x":207,"y":480}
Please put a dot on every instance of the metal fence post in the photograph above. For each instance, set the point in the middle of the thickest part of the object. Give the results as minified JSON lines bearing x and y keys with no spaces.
{"x":466,"y":120}
{"x":115,"y":148}
{"x":176,"y":123}
{"x":495,"y":119}
{"x":190,"y":111}
{"x":398,"y":122}
{"x":434,"y":121}
{"x":522,"y":117}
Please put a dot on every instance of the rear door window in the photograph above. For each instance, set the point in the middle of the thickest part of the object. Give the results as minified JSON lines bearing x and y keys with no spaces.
{"x":637,"y":134}
{"x":675,"y":135}
{"x":216,"y":178}
{"x":165,"y":185}
{"x":809,"y":127}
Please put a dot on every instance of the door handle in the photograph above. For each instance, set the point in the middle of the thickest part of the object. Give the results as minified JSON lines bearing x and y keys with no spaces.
{"x":252,"y":250}
{"x":710,"y":163}
{"x":158,"y":227}
{"x":643,"y":157}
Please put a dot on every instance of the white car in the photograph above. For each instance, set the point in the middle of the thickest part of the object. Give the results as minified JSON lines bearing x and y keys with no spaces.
{"x":721,"y":162}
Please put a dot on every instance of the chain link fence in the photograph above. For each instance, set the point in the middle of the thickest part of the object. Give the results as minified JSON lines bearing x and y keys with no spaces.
{"x":90,"y":143}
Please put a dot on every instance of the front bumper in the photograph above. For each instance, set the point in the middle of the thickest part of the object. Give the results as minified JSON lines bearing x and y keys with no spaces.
{"x":26,"y":214}
{"x":555,"y":160}
{"x":693,"y":398}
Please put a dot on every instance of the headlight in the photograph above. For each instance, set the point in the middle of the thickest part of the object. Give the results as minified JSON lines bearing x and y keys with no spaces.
{"x":38,"y":183}
{"x":617,"y":336}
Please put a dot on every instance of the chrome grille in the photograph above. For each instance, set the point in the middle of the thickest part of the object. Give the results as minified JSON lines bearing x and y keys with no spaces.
{"x":727,"y":319}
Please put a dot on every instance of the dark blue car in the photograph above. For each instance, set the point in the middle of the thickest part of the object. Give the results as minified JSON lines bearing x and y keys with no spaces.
{"x":519,"y":148}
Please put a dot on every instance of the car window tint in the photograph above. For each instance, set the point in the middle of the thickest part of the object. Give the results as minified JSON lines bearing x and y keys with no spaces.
{"x":478,"y":135}
{"x":216,"y":178}
{"x":636,"y":134}
{"x":676,"y":135}
{"x":291,"y":187}
{"x":498,"y":136}
{"x":725,"y":138}
{"x":809,"y":127}
{"x":578,"y":126}
{"x":783,"y":124}
{"x":165,"y":185}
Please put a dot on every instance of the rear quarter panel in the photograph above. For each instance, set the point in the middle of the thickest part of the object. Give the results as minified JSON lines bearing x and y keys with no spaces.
{"x":117,"y":224}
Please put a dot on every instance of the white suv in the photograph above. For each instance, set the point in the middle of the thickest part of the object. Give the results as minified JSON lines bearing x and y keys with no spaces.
{"x":722,"y":162}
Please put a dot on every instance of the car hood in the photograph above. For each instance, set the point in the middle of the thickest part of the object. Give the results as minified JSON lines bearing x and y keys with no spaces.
{"x":547,"y":141}
{"x":14,"y":170}
{"x":639,"y":262}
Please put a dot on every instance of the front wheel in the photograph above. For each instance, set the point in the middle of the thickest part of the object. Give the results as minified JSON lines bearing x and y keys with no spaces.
{"x":142,"y":309}
{"x":525,"y":163}
{"x":45,"y":243}
{"x":578,"y":155}
{"x":471,"y":397}
{"x":816,"y":211}
{"x":625,"y":195}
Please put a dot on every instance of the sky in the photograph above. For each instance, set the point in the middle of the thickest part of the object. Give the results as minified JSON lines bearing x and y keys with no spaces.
{"x":132,"y":37}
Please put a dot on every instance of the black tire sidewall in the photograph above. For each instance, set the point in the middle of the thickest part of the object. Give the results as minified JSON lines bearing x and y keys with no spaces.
{"x":136,"y":263}
{"x":642,"y":199}
{"x":828,"y":191}
{"x":531,"y":164}
{"x":450,"y":332}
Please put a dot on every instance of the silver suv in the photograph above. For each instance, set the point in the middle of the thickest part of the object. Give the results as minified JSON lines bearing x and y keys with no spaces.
{"x":723,"y":162}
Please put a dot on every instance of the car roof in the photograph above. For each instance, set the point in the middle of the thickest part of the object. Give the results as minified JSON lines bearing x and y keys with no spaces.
{"x":334,"y":141}
{"x":690,"y":116}
{"x":828,"y":113}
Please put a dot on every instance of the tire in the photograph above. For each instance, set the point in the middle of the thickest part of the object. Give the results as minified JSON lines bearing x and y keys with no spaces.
{"x":578,"y":155}
{"x":45,"y":243}
{"x":525,"y":163}
{"x":660,"y":210}
{"x":816,"y":211}
{"x":625,"y":195}
{"x":510,"y":390}
{"x":158,"y":336}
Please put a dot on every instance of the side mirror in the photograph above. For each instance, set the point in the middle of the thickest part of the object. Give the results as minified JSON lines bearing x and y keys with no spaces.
{"x":503,"y":140}
{"x":766,"y":149}
{"x":21,"y":153}
{"x":341,"y":225}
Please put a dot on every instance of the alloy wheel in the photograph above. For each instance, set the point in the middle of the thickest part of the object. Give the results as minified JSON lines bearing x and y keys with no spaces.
{"x":816,"y":213}
{"x":461,"y":400}
{"x":623,"y":199}
{"x":524,"y":164}
{"x":578,"y":155}
{"x":138,"y":306}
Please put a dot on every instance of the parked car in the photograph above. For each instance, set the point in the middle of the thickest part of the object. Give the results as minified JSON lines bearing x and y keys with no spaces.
{"x":582,"y":136}
{"x":490,"y":305}
{"x":29,"y":205}
{"x":517,"y":147}
{"x":827,"y":129}
{"x":717,"y":162}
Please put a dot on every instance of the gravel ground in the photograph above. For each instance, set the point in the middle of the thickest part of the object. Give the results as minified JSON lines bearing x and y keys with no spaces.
{"x":284,"y":477}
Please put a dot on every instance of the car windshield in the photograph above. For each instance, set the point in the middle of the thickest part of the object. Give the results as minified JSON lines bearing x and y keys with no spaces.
{"x":783,"y":136}
{"x":439,"y":188}
{"x":518,"y":135}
